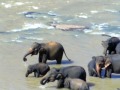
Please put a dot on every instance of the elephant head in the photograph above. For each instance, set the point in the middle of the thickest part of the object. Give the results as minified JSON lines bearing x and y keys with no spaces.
{"x":33,"y":50}
{"x":99,"y":61}
{"x":50,"y":77}
{"x":29,"y":70}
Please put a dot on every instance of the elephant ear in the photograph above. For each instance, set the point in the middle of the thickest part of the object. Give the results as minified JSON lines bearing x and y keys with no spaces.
{"x":107,"y":62}
{"x":59,"y":76}
{"x":93,"y":58}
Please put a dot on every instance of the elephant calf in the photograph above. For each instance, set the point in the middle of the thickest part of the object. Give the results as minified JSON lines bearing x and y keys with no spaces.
{"x":38,"y":69}
{"x":95,"y":66}
{"x":75,"y":84}
{"x":69,"y":71}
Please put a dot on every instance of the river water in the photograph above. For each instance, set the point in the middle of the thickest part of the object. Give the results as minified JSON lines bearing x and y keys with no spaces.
{"x":27,"y":21}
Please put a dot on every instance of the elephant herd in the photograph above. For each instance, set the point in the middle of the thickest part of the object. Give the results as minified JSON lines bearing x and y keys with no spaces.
{"x":73,"y":77}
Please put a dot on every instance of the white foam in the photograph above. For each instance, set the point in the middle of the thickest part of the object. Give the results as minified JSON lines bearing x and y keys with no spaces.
{"x":6,"y":5}
{"x":18,"y":3}
{"x":28,"y":26}
{"x":100,"y":26}
{"x":110,"y":10}
{"x":94,"y":11}
{"x":42,"y":86}
{"x":34,"y":38}
{"x":113,"y":34}
{"x":34,"y":7}
{"x":9,"y":5}
{"x":82,"y":15}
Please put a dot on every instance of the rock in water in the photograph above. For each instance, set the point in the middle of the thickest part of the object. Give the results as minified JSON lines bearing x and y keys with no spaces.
{"x":68,"y":27}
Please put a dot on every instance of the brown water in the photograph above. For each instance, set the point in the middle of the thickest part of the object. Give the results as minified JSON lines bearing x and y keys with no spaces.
{"x":19,"y":31}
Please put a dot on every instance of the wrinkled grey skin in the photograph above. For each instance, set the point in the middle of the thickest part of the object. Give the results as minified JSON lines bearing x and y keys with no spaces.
{"x":109,"y":45}
{"x":118,"y":48}
{"x":112,"y":65}
{"x":38,"y":69}
{"x":95,"y":65}
{"x":52,"y":75}
{"x":75,"y":84}
{"x":47,"y":51}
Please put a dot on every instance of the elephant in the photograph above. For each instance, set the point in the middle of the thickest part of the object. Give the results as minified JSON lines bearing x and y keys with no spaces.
{"x":47,"y":51}
{"x":118,"y":48}
{"x":95,"y":66}
{"x":38,"y":69}
{"x":73,"y":83}
{"x":112,"y":65}
{"x":109,"y":45}
{"x":68,"y":71}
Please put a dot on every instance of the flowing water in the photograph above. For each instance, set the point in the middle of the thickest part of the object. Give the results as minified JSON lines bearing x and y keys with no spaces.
{"x":23,"y":22}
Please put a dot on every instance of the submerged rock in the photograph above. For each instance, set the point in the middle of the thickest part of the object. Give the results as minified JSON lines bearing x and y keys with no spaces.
{"x":67,"y":27}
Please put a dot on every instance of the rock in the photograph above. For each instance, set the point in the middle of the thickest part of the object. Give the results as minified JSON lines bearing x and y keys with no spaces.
{"x":67,"y":27}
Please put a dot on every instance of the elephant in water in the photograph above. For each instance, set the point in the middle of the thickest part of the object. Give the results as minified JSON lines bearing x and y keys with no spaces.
{"x":110,"y":44}
{"x":69,"y":71}
{"x":73,"y":83}
{"x":112,"y":65}
{"x":47,"y":51}
{"x":38,"y":69}
{"x":95,"y":66}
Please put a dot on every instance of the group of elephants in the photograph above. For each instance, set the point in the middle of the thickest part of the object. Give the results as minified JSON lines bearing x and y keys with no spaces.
{"x":75,"y":80}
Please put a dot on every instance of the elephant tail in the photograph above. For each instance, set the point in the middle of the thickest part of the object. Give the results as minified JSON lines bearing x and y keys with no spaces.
{"x":66,"y":56}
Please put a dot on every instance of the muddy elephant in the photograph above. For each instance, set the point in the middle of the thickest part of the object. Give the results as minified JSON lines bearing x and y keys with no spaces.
{"x":47,"y":51}
{"x":112,"y":65}
{"x":95,"y":66}
{"x":109,"y":45}
{"x":69,"y":71}
{"x":73,"y":83}
{"x":39,"y":69}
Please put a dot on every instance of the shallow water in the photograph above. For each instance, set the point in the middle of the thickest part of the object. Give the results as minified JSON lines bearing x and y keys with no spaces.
{"x":27,"y":21}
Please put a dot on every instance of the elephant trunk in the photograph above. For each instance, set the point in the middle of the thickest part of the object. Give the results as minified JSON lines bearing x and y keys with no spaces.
{"x":98,"y":69}
{"x":44,"y":81}
{"x":28,"y":53}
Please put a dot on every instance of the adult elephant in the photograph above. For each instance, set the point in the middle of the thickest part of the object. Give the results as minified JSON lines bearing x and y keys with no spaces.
{"x":51,"y":50}
{"x":118,"y":48}
{"x":69,"y":71}
{"x":95,"y":66}
{"x":110,"y":45}
{"x":112,"y":65}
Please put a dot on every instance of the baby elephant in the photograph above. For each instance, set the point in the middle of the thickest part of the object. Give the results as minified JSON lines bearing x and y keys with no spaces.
{"x":74,"y":83}
{"x":38,"y":69}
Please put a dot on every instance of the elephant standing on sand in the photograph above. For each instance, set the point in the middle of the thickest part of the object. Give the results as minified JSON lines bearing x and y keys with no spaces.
{"x":51,"y":50}
{"x":110,"y":45}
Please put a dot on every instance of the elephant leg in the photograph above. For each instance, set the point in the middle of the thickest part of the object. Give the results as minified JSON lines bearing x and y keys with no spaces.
{"x":40,"y":58}
{"x":60,"y":84}
{"x":59,"y":58}
{"x":38,"y":73}
{"x":44,"y":58}
{"x":34,"y":74}
{"x":108,"y":73}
